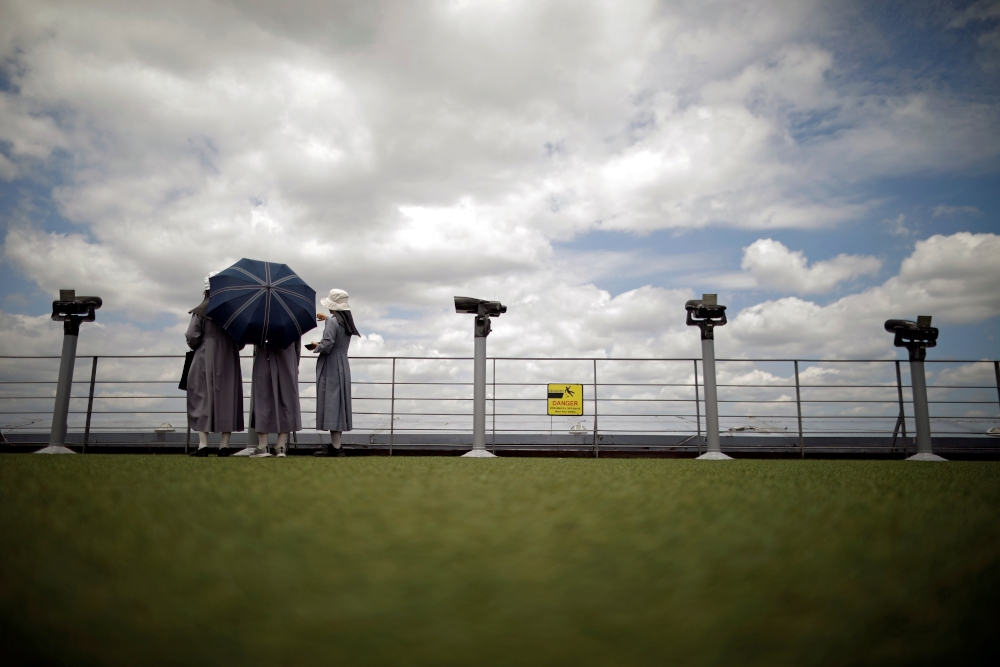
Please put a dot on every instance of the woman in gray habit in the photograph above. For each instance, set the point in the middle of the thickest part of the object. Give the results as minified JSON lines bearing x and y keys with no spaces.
{"x":333,"y":371}
{"x":215,"y":382}
{"x":275,"y":395}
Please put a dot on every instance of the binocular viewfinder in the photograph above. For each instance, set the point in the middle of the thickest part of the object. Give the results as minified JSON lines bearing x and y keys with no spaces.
{"x":72,"y":307}
{"x":699,"y":309}
{"x":466,"y":304}
{"x":482,"y":309}
{"x":706,"y":313}
{"x":915,"y":336}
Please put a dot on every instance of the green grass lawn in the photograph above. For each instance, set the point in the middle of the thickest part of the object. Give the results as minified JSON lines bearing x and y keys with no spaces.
{"x":166,"y":560}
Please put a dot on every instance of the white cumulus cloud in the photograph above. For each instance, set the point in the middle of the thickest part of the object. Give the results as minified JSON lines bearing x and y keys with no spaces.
{"x":775,"y":266}
{"x":952,"y":278}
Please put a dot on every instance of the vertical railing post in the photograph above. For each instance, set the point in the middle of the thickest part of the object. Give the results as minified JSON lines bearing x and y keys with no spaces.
{"x":697,"y":403}
{"x":596,"y":444}
{"x":392,"y":408}
{"x":494,"y":436}
{"x":902,"y":413}
{"x":90,"y":404}
{"x":798,"y":408}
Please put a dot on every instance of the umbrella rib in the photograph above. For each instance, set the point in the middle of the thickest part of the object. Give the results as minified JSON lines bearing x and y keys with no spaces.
{"x":248,"y":274}
{"x":289,"y":311}
{"x":286,"y":278}
{"x":267,"y":318}
{"x":231,"y":289}
{"x":267,"y":304}
{"x":295,"y":294}
{"x":243,"y":307}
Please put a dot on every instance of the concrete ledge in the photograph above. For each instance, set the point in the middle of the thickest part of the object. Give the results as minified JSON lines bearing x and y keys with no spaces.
{"x":540,"y":444}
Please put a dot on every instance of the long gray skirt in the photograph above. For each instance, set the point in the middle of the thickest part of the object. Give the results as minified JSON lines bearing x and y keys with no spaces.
{"x":215,"y":382}
{"x":276,"y":389}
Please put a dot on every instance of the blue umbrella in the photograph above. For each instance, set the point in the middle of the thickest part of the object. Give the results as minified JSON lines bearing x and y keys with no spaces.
{"x":258,"y":302}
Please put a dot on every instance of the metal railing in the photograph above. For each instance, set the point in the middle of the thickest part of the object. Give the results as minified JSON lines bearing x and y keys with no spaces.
{"x":395,"y":396}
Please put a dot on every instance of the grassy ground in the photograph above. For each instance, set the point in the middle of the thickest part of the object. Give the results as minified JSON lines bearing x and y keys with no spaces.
{"x":165,"y":560}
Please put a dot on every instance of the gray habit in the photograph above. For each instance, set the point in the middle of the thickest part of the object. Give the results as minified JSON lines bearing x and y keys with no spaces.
{"x":276,"y":389}
{"x":333,"y":379}
{"x":215,"y":383}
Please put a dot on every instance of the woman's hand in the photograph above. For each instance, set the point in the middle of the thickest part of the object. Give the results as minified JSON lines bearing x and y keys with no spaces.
{"x":320,"y":317}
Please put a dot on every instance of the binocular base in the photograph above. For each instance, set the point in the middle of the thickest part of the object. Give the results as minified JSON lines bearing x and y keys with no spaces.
{"x":55,"y":449}
{"x":478,"y":454}
{"x":926,"y":457}
{"x":714,"y":456}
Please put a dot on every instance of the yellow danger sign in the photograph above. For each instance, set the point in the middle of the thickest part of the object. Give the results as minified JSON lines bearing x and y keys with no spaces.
{"x":565,"y":399}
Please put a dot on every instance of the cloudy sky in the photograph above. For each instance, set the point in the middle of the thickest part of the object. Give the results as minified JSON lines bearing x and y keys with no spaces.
{"x":822,"y":166}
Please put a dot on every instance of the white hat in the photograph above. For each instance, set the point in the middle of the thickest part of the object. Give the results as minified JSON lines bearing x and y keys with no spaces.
{"x":208,"y":285}
{"x":336,"y":301}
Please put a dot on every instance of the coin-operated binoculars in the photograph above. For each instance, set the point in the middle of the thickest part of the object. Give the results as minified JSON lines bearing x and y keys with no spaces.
{"x":707,"y":314}
{"x":483,"y":310}
{"x":71,"y":310}
{"x":917,"y":337}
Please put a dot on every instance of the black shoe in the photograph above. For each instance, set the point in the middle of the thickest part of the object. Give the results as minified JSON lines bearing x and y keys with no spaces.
{"x":339,"y":451}
{"x":224,"y":451}
{"x":324,"y":451}
{"x":199,"y":452}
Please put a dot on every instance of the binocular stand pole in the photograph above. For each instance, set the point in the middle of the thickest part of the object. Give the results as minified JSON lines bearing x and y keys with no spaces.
{"x":57,"y":437}
{"x":713,"y":450}
{"x":479,"y":397}
{"x":921,"y":415}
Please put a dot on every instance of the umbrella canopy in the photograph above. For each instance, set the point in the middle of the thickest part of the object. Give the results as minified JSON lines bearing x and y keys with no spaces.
{"x":262,"y":302}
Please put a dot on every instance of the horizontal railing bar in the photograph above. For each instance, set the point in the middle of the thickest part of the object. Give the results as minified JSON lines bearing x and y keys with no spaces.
{"x":107,"y":356}
{"x":847,"y":400}
{"x":537,"y":414}
{"x":542,"y":384}
{"x":690,"y":359}
{"x":586,"y":400}
{"x":37,"y":381}
{"x":543,"y":428}
{"x":542,"y":416}
{"x":518,"y":400}
{"x":611,"y":446}
{"x":791,"y":436}
{"x":847,"y":419}
{"x":724,"y":432}
{"x":623,"y":359}
{"x":845,"y":386}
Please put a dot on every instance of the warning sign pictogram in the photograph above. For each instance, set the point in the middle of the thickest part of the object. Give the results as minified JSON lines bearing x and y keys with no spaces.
{"x":565,"y":399}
